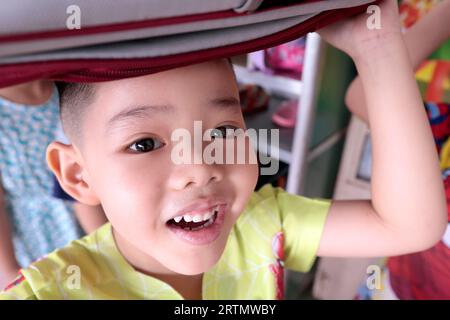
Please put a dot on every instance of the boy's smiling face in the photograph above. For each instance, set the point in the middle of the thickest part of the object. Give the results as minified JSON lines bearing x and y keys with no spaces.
{"x":126,"y":154}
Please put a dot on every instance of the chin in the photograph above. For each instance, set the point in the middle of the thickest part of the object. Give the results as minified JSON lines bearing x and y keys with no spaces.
{"x":194,"y":265}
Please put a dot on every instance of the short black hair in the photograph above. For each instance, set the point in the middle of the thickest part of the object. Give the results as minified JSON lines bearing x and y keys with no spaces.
{"x":74,"y":98}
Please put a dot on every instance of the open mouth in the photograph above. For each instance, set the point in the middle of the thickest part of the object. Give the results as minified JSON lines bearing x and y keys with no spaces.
{"x":200,"y":226}
{"x":194,"y":221}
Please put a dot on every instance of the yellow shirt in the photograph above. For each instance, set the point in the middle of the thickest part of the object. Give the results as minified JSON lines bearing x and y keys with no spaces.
{"x":276,"y":230}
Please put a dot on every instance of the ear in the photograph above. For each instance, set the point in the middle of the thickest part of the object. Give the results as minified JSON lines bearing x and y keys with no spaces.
{"x":66,"y":164}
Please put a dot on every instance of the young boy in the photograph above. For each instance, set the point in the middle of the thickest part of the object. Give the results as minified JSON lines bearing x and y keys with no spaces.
{"x":198,"y":231}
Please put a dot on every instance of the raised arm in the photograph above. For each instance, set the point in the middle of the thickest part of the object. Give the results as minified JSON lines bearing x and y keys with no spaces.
{"x":421,"y":40}
{"x":407,"y":212}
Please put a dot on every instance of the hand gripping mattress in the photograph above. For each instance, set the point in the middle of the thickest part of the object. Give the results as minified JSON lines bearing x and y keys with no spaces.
{"x":116,"y":39}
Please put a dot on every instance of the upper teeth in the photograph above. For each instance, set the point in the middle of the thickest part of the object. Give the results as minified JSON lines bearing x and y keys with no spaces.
{"x":196,"y":217}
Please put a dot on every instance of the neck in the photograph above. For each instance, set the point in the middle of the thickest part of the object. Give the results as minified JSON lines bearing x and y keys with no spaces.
{"x":33,"y":93}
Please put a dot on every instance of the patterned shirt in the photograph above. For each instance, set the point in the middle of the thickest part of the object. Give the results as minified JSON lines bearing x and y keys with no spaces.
{"x":276,"y":230}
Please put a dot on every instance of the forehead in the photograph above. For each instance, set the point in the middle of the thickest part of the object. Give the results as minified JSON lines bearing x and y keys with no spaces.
{"x":185,"y":88}
{"x":204,"y":79}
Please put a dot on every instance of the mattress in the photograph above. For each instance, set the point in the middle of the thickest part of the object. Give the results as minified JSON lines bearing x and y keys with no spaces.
{"x":117,"y":39}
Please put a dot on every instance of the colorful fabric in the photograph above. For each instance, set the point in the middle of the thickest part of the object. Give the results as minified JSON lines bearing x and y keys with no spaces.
{"x":433,"y":76}
{"x":422,"y":276}
{"x":445,"y":155}
{"x":412,"y":10}
{"x":439,"y":118}
{"x":276,"y":230}
{"x":40,"y":222}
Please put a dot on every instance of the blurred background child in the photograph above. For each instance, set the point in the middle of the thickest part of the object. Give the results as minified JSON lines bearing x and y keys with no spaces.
{"x":32,"y":221}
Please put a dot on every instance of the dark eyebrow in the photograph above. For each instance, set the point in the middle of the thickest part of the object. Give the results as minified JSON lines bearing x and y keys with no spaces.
{"x":147,"y":111}
{"x":138,"y":112}
{"x":227,"y":103}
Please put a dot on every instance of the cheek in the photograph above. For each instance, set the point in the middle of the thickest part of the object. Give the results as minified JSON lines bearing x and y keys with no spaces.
{"x":244,"y":179}
{"x":130,"y":188}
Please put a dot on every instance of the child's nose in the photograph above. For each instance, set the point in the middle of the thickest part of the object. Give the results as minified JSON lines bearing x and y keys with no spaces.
{"x":195,"y":175}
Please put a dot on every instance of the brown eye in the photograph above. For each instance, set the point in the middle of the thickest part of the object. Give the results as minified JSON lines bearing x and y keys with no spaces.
{"x":221,"y":132}
{"x":146,"y":145}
